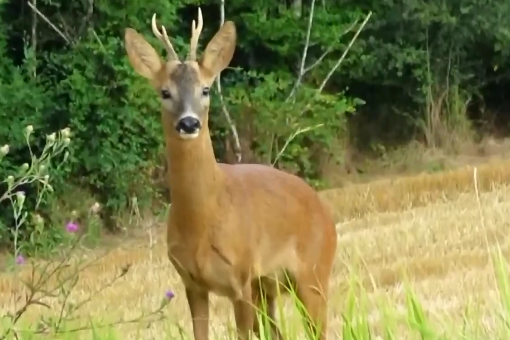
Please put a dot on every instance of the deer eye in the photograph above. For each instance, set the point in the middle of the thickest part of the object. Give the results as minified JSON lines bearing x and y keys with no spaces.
{"x":165,"y":94}
{"x":205,"y":91}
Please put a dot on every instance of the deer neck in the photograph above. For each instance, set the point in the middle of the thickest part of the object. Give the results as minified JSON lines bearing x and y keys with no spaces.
{"x":194,"y":177}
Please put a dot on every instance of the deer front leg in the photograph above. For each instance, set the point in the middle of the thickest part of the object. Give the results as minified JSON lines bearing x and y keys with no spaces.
{"x":198,"y":302}
{"x":244,"y":313}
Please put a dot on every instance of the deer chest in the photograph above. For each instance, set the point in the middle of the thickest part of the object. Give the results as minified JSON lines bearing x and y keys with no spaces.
{"x":206,"y":268}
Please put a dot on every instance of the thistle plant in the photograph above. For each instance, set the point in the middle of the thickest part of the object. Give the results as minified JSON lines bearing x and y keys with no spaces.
{"x":54,"y":279}
{"x":36,"y":173}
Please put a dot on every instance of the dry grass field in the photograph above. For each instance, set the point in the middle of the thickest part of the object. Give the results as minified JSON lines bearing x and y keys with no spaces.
{"x":431,"y":232}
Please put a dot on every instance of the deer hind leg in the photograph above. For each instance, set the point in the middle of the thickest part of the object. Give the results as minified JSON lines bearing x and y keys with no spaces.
{"x":264,"y":303}
{"x":311,"y":289}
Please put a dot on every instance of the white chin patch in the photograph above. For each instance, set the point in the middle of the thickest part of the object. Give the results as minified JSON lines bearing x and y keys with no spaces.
{"x":185,"y":135}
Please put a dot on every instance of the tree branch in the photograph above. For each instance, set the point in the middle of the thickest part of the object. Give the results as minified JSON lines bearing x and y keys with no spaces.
{"x":304,"y":69}
{"x":237,"y":147}
{"x":88,"y":16}
{"x":49,"y":23}
{"x":340,"y":60}
{"x":330,"y":48}
{"x":333,"y":69}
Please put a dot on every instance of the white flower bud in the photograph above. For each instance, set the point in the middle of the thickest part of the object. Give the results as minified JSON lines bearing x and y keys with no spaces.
{"x":20,"y":196}
{"x":51,"y":137}
{"x":29,"y":129}
{"x":65,"y":132}
{"x":4,"y":150}
{"x":95,"y":208}
{"x":38,"y":220}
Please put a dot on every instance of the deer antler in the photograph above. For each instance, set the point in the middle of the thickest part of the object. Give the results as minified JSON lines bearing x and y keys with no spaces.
{"x":164,"y":39}
{"x":195,"y":34}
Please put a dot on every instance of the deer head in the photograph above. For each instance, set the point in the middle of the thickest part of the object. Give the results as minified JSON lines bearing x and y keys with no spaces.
{"x":183,"y":86}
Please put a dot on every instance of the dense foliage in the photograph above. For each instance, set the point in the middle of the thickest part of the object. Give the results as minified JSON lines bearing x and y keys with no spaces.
{"x":419,"y":69}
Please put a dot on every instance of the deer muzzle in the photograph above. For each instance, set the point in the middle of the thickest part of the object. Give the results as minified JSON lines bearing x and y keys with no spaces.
{"x":188,"y":127}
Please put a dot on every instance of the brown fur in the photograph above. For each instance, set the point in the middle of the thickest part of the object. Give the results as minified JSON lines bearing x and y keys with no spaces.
{"x":234,"y":229}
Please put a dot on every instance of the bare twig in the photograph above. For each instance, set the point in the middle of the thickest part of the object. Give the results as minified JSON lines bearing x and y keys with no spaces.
{"x":305,"y":69}
{"x":297,"y":6}
{"x":305,"y":51}
{"x":291,"y":138}
{"x":330,"y":48}
{"x":34,"y":37}
{"x":479,"y":203}
{"x":36,"y":287}
{"x":88,"y":16}
{"x":157,"y":315}
{"x":237,"y":148}
{"x":64,"y":26}
{"x":333,"y":69}
{"x":39,"y":289}
{"x":49,"y":23}
{"x":301,"y":73}
{"x":135,"y":212}
{"x":482,"y":218}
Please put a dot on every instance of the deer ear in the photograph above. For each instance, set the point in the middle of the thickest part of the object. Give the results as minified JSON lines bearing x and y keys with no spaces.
{"x":143,"y":57}
{"x":220,"y":50}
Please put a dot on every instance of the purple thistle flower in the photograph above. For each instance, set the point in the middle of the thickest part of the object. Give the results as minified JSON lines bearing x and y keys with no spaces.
{"x":20,"y":260}
{"x":72,"y":227}
{"x":169,"y":295}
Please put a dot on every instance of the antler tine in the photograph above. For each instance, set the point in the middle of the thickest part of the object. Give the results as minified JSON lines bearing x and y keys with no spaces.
{"x":164,"y":39}
{"x":195,"y":34}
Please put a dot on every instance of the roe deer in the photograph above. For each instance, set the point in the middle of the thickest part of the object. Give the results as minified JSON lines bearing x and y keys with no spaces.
{"x":233,"y":230}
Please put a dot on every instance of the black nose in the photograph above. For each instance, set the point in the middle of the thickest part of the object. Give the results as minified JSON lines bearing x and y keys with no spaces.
{"x":188,"y":124}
